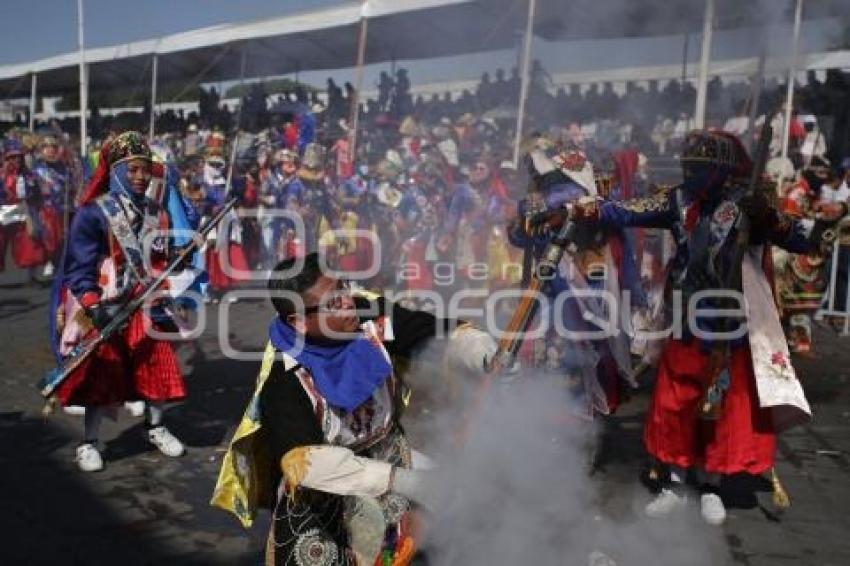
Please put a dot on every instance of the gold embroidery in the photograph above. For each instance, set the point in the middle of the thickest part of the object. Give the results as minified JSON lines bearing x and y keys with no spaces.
{"x":294,"y":465}
{"x":653,"y":203}
{"x":658,"y":200}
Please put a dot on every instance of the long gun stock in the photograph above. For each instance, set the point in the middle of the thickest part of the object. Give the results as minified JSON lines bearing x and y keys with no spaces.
{"x":524,"y":314}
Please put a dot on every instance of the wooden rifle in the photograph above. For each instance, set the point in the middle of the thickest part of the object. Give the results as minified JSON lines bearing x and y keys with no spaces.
{"x":538,"y":280}
{"x":523,"y":316}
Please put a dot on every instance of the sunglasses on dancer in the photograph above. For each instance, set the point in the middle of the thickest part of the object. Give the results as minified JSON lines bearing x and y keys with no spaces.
{"x":335,"y":303}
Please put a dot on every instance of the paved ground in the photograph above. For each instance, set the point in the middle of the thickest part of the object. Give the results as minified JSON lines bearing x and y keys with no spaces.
{"x":146,"y":509}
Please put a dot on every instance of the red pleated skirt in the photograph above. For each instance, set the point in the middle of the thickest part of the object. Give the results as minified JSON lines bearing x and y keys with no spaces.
{"x":26,"y":251}
{"x":219,"y":280}
{"x":129,"y":366}
{"x":742,"y":440}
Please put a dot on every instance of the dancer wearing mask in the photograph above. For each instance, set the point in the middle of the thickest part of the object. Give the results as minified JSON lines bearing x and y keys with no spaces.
{"x":724,"y":389}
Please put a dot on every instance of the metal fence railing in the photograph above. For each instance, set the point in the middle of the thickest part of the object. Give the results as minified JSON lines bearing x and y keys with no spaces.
{"x":829,"y":307}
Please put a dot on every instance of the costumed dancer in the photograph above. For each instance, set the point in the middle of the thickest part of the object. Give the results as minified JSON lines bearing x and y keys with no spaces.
{"x":224,"y":245}
{"x":595,"y":369}
{"x":616,"y":176}
{"x":481,"y":235}
{"x":320,"y":443}
{"x":22,"y":228}
{"x":103,"y":266}
{"x":385,"y":199}
{"x":744,"y":387}
{"x":354,"y":252}
{"x":314,"y":205}
{"x":503,"y":259}
{"x":465,"y":229}
{"x":802,"y":279}
{"x":54,"y":179}
{"x":281,"y":185}
{"x":422,"y":208}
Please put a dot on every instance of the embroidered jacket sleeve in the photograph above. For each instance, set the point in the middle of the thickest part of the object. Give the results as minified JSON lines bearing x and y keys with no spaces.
{"x":88,"y":244}
{"x":656,"y":211}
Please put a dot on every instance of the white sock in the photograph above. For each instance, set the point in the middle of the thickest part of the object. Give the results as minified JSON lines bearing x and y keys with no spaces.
{"x":154,"y":414}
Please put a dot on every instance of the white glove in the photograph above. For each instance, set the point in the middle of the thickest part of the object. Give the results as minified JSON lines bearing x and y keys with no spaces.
{"x":413,"y":484}
{"x":334,"y":469}
{"x":470,"y":349}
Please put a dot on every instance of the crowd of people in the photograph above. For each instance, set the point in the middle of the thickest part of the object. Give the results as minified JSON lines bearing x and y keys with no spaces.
{"x":428,"y":206}
{"x":651,"y":115}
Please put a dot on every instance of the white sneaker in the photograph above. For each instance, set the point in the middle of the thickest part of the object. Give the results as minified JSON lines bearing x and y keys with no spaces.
{"x":665,"y":503}
{"x":135,"y":408}
{"x":48,"y":270}
{"x":75,"y":410}
{"x":712,"y":509}
{"x":88,"y":458}
{"x":231,"y":299}
{"x":166,"y":442}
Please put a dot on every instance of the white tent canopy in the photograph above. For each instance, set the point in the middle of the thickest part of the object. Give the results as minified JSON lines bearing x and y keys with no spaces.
{"x":398,"y":30}
{"x":323,"y":39}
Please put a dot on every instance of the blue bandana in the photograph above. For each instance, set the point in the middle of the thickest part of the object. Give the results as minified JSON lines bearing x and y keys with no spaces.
{"x":119,"y":183}
{"x":346,"y":374}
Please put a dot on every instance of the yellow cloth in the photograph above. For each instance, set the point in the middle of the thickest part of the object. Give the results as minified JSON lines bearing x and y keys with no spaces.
{"x":242,"y":485}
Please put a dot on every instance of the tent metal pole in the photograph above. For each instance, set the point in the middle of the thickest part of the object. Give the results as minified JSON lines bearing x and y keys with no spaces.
{"x":792,"y":72}
{"x":154,"y":77}
{"x":354,"y":112}
{"x":84,"y":87}
{"x":705,"y":60}
{"x":525,"y":78}
{"x":755,"y":98}
{"x":33,"y":95}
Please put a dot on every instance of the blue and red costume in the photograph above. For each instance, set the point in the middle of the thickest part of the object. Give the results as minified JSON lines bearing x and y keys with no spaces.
{"x":131,"y":365}
{"x":20,"y":188}
{"x":743,"y":437}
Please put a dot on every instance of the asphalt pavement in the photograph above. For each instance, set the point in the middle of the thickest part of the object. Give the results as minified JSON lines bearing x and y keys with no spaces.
{"x":145,"y":508}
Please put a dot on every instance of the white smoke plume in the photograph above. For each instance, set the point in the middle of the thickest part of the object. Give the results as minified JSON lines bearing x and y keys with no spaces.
{"x":513,"y":487}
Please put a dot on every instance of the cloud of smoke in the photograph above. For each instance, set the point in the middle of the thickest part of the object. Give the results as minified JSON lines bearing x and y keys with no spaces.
{"x":516,"y":488}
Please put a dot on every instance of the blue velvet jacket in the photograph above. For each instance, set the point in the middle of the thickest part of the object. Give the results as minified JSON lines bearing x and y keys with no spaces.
{"x":88,"y":245}
{"x":665,"y":210}
{"x":706,"y":249}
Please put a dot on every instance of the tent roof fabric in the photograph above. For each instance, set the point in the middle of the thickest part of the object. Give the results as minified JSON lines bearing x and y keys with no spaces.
{"x":322,"y":39}
{"x":398,"y":30}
